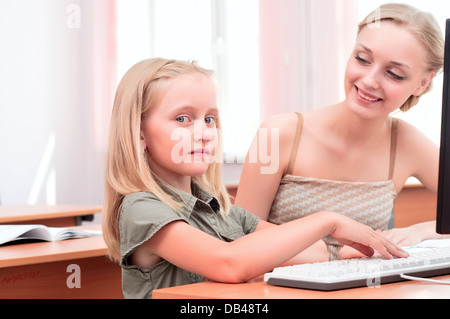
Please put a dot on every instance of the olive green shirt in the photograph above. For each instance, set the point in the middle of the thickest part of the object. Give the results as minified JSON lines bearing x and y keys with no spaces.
{"x":143,"y":215}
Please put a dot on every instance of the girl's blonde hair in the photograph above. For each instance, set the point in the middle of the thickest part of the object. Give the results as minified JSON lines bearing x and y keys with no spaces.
{"x":127,"y":169}
{"x":423,"y":26}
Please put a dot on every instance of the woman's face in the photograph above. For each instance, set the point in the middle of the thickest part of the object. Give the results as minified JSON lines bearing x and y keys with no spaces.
{"x":387,"y":66}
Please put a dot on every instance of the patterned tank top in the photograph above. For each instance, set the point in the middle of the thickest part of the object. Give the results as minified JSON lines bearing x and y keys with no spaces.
{"x":370,"y":203}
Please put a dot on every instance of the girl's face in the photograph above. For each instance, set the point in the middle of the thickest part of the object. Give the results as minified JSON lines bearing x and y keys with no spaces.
{"x":180,"y":133}
{"x":387,"y":66}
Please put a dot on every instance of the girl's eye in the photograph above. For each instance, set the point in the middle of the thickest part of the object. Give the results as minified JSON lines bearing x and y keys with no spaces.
{"x":210,"y":120}
{"x":182,"y":119}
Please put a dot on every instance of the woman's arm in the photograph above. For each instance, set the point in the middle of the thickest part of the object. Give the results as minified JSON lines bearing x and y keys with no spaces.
{"x":417,"y":156}
{"x":257,"y":253}
{"x":265,"y":164}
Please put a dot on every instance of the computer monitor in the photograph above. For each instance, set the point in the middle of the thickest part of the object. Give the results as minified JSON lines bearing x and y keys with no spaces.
{"x":443,"y":198}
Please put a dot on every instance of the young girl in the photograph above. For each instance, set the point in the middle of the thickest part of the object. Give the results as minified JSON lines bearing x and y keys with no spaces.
{"x":167,"y":217}
{"x":352,"y":157}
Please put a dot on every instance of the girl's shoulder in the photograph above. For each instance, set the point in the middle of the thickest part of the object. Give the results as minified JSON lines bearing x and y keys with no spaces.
{"x":139,"y":198}
{"x":137,"y":205}
{"x":142,"y":211}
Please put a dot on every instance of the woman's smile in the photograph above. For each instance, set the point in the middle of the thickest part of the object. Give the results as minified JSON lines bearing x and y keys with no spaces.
{"x":366,"y":96}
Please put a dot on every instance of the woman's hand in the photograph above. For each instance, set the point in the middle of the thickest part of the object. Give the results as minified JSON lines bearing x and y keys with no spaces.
{"x":411,"y":235}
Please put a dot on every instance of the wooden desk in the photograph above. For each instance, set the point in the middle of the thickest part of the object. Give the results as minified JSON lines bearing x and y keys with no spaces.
{"x":258,"y":289}
{"x":49,"y":215}
{"x":414,"y":204}
{"x":40,"y":270}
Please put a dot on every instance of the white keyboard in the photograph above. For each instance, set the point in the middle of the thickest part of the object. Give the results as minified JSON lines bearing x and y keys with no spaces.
{"x":359,"y":272}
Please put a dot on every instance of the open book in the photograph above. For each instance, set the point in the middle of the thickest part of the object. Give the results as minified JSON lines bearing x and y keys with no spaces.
{"x":12,"y":233}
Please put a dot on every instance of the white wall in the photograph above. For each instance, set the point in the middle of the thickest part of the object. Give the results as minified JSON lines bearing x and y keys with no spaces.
{"x":51,"y":144}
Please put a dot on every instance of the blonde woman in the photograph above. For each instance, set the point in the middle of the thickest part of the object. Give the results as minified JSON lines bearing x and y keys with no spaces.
{"x":167,"y":218}
{"x":352,"y":157}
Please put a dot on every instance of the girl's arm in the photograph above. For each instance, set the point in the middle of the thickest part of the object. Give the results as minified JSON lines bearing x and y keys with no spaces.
{"x":257,"y":253}
{"x":317,"y":252}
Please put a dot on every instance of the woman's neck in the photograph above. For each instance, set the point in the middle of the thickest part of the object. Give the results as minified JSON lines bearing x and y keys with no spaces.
{"x":355,"y":129}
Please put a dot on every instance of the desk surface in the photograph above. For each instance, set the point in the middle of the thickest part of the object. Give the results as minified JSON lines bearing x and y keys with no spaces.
{"x":50,"y":215}
{"x":20,"y":213}
{"x":43,"y":252}
{"x":40,"y":270}
{"x":258,"y":289}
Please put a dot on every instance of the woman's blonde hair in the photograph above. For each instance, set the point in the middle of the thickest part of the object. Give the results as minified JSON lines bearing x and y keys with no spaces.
{"x":423,"y":26}
{"x":127,"y":169}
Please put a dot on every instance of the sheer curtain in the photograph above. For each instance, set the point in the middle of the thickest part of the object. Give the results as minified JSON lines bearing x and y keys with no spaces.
{"x":304,"y":49}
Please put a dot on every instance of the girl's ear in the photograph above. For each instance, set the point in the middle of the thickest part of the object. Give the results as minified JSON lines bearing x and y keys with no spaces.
{"x":424,"y":83}
{"x":142,"y":139}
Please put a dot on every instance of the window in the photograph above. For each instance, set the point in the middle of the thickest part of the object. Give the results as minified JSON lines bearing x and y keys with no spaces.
{"x":220,"y":35}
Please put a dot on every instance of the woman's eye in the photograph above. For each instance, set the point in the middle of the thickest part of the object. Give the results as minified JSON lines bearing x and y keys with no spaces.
{"x":361,"y":60}
{"x":395,"y":76}
{"x":182,"y":119}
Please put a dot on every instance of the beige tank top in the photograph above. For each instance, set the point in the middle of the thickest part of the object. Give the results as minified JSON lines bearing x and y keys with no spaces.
{"x":370,"y":203}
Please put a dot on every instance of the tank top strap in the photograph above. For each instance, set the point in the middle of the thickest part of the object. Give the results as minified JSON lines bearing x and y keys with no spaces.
{"x":394,"y":126}
{"x":298,"y":133}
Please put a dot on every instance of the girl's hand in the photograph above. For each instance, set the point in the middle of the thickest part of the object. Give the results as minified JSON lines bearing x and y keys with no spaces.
{"x":347,"y":252}
{"x":364,"y":239}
